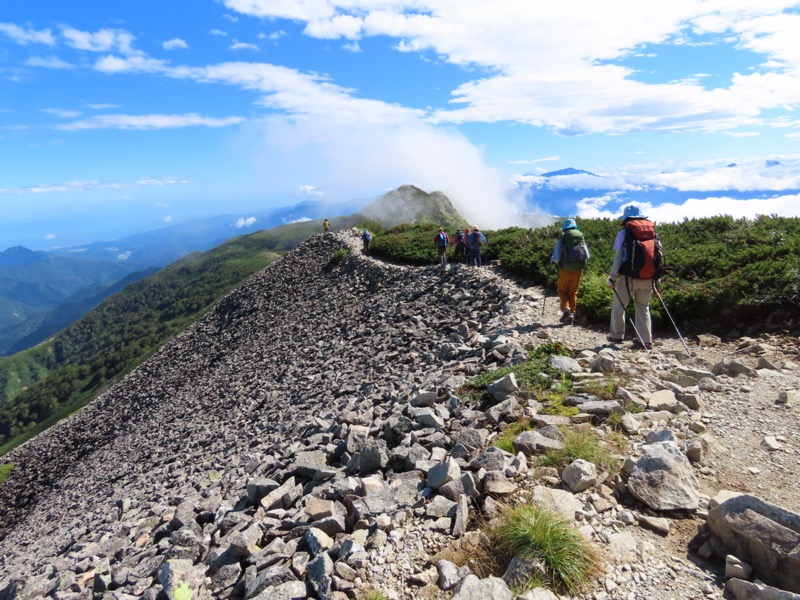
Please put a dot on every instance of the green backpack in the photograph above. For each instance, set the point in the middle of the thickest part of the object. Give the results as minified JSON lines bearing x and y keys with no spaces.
{"x":573,"y":251}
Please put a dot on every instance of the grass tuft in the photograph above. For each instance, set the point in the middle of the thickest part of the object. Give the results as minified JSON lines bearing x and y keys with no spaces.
{"x":505,"y":441}
{"x":369,"y":593}
{"x":569,"y":562}
{"x":578,"y":444}
{"x":5,"y":471}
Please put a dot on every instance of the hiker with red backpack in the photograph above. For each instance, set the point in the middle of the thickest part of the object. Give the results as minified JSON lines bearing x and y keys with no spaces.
{"x":638,"y":264}
{"x":571,"y":254}
{"x":442,"y":241}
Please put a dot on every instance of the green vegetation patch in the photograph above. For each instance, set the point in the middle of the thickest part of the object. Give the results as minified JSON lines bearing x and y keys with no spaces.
{"x":505,"y":441}
{"x":567,"y":562}
{"x":533,"y":375}
{"x":339,"y":256}
{"x":579,"y":443}
{"x":5,"y":471}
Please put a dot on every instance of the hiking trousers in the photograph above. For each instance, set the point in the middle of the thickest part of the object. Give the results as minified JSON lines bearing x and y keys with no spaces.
{"x":640,"y":291}
{"x":568,"y":282}
{"x":475,"y":257}
{"x":442,"y":254}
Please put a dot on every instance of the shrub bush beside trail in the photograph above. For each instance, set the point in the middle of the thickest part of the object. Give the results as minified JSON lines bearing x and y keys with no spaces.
{"x":720,"y":267}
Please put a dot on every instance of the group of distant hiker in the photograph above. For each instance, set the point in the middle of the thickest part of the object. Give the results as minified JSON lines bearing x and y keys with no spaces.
{"x":467,"y":246}
{"x":637,"y":267}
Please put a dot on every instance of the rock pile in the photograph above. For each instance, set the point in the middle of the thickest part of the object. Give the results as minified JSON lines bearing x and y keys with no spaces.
{"x":308,"y":438}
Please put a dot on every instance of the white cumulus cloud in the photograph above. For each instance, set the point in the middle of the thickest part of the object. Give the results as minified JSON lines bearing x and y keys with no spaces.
{"x":174,"y":44}
{"x":24,"y":36}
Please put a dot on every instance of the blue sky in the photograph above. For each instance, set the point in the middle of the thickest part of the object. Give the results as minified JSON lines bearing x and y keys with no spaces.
{"x":119,"y":117}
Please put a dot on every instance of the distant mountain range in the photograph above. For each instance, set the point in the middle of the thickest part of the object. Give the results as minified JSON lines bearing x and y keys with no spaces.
{"x":572,"y":192}
{"x":41,"y":292}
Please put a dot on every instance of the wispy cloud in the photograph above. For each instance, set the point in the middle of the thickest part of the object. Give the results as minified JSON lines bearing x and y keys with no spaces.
{"x":310,"y":191}
{"x":142,"y":122}
{"x":174,"y":44}
{"x":48,"y":62}
{"x":103,"y":106}
{"x":273,"y":37}
{"x":237,"y":45}
{"x":534,"y":161}
{"x":248,"y":222}
{"x":61,"y":113}
{"x":218,"y":32}
{"x":103,"y":40}
{"x":23,"y":36}
{"x":87,"y":185}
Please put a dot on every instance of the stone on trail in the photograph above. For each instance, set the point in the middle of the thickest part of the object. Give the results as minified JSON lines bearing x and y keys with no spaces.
{"x":663,"y":478}
{"x":473,"y":588}
{"x":739,"y":589}
{"x":664,"y":400}
{"x":564,"y":363}
{"x":505,"y":385}
{"x":532,"y":442}
{"x":579,"y":475}
{"x":764,"y":535}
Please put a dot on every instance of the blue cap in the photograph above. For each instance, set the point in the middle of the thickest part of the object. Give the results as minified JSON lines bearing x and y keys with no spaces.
{"x":632,"y":212}
{"x":569,"y":224}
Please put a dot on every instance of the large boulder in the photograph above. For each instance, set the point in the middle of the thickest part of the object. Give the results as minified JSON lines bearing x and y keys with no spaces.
{"x":764,"y":535}
{"x":663,"y":479}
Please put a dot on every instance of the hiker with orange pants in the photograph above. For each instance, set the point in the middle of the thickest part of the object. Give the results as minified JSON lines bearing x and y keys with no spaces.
{"x":571,"y":254}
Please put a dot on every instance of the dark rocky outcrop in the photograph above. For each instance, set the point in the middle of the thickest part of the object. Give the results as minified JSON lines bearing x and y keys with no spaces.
{"x":296,"y":423}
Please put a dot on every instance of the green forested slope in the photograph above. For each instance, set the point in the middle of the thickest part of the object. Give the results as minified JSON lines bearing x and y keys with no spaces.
{"x":42,"y":384}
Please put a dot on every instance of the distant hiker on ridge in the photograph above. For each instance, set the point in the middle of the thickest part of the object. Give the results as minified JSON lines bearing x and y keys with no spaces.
{"x":366,"y":238}
{"x":638,"y":263}
{"x":458,"y":241}
{"x":325,"y":226}
{"x":571,"y":254}
{"x":476,"y":241}
{"x":442,"y":241}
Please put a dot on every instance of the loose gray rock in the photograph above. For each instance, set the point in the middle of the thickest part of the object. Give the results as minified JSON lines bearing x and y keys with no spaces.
{"x":473,"y":588}
{"x":765,"y":536}
{"x":663,"y":479}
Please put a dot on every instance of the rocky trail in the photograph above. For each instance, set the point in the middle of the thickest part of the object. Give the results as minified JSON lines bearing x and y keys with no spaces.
{"x":307,"y":439}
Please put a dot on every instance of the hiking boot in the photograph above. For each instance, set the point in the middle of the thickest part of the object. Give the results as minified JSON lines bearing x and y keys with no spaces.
{"x":565,"y":316}
{"x":646,"y":345}
{"x":571,"y":319}
{"x":614,"y":340}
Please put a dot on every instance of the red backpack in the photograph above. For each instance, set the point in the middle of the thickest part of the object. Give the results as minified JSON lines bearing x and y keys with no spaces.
{"x":643,"y":256}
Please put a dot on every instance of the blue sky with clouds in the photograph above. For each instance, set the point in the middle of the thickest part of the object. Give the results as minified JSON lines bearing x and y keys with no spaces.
{"x":119,"y":117}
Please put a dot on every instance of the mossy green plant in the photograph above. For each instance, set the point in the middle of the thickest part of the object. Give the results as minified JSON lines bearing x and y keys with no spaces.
{"x":568,"y":561}
{"x":5,"y":471}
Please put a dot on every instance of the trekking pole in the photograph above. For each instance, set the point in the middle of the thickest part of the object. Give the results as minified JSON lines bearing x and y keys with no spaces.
{"x":544,"y":302}
{"x":666,"y":310}
{"x":633,"y":325}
